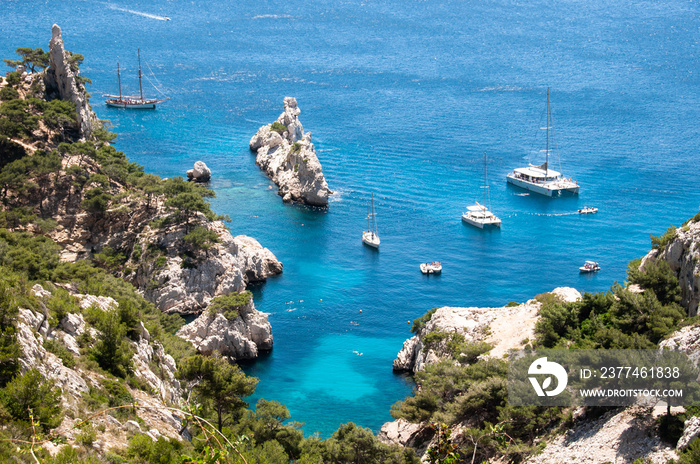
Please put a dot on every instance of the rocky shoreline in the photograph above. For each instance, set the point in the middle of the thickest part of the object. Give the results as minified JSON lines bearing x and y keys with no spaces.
{"x":288,"y":157}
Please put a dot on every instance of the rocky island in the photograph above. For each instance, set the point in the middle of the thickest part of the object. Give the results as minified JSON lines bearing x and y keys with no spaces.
{"x":288,"y":157}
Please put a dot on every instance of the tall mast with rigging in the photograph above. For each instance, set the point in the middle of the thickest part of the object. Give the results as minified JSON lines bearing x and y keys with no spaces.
{"x":546,"y":163}
{"x":119,"y":80}
{"x":140,"y":86}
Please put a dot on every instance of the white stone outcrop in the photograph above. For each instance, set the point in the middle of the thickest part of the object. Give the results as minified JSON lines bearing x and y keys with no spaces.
{"x":399,"y":432}
{"x":683,"y":256}
{"x":290,"y":160}
{"x":259,"y":263}
{"x":59,"y":78}
{"x":686,"y":340}
{"x":241,"y":338}
{"x":146,"y":353}
{"x":691,"y":430}
{"x":617,"y":436}
{"x":227,"y":268}
{"x":35,"y":356}
{"x":199,"y":173}
{"x":504,"y":328}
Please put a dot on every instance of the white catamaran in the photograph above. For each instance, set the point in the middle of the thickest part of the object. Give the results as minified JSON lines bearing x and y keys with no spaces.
{"x":136,"y":102}
{"x":479,"y":215}
{"x":370,"y":237}
{"x":541,"y":179}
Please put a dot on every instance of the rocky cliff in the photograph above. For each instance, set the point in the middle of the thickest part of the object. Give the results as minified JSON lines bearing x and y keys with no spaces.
{"x":97,"y":206}
{"x":182,"y":284}
{"x":682,"y":253}
{"x":503,"y":328}
{"x":79,"y":383}
{"x":289,"y":158}
{"x":241,"y":337}
{"x":60,"y":79}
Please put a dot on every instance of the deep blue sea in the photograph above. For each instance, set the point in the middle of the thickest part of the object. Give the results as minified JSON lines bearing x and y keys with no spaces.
{"x":403,"y":98}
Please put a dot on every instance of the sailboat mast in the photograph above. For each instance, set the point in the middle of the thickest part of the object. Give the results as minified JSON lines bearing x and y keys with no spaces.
{"x":546,"y":164}
{"x":119,"y":80}
{"x":374,"y":219}
{"x":368,"y":213}
{"x":140,"y":86}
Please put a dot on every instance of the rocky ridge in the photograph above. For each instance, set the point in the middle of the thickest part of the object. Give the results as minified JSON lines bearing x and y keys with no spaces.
{"x":289,"y":158}
{"x":33,"y":330}
{"x":683,"y":256}
{"x":138,"y":226}
{"x":504,"y":328}
{"x":226,"y":267}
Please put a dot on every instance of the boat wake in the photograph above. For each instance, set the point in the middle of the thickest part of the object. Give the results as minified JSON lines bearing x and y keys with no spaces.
{"x":140,"y":13}
{"x":273,"y":16}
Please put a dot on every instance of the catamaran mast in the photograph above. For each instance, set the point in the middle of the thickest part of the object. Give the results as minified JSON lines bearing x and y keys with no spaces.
{"x":546,"y":164}
{"x":140,"y":86}
{"x":119,"y":80}
{"x":487,"y":193}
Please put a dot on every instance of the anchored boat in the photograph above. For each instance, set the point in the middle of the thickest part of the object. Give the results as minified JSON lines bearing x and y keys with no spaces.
{"x":479,"y":215}
{"x":370,"y":237}
{"x":135,"y":102}
{"x":431,"y":268}
{"x":541,"y":179}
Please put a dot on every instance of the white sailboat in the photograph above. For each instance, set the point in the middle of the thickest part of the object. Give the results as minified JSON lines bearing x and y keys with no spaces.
{"x":541,"y":179}
{"x":370,"y":237}
{"x":135,"y":102}
{"x":479,"y":215}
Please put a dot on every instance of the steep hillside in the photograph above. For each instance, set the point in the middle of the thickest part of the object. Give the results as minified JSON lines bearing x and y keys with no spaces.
{"x":97,"y":261}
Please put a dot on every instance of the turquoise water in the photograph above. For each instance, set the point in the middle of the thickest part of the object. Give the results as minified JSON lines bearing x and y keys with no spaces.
{"x":403,"y":99}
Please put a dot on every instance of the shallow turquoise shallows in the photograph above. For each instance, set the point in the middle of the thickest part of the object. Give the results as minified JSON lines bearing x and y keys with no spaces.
{"x":403,"y":99}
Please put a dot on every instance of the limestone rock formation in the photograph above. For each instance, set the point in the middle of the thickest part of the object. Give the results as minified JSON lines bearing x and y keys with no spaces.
{"x":61,"y":80}
{"x":199,"y":173}
{"x":683,"y":255}
{"x":289,"y":158}
{"x":691,"y":430}
{"x":227,"y":267}
{"x":617,"y":436}
{"x":241,"y":338}
{"x":400,"y":432}
{"x":33,"y":331}
{"x":504,"y":328}
{"x":685,"y":340}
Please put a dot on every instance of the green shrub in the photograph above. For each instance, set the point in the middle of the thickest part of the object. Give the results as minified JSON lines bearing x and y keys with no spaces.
{"x":110,"y":259}
{"x":87,"y":435}
{"x":420,"y":322}
{"x":32,"y":392}
{"x":278,"y":127}
{"x":296,"y":147}
{"x":112,"y":352}
{"x":55,"y":347}
{"x":8,"y":93}
{"x":96,"y":201}
{"x":667,"y":237}
{"x":229,"y":305}
{"x":201,"y":238}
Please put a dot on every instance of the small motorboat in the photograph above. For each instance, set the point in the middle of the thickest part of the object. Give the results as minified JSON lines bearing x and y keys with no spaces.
{"x":431,"y":268}
{"x":589,"y":266}
{"x":587,"y":210}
